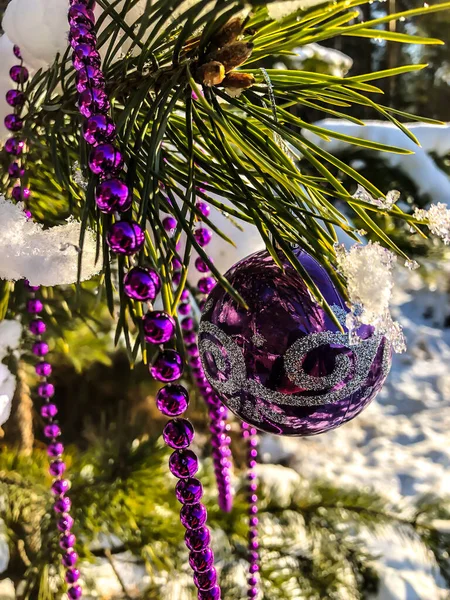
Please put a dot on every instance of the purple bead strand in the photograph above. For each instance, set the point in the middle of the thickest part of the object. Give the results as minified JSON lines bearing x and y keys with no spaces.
{"x":55,"y":449}
{"x":45,"y":390}
{"x":251,"y":436}
{"x":220,"y":439}
{"x":127,"y":238}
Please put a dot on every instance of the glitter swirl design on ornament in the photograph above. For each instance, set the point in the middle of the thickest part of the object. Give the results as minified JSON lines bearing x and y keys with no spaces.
{"x":363,"y":353}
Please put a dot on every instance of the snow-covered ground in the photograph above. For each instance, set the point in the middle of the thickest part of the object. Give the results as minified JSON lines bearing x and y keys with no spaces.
{"x":400,"y":445}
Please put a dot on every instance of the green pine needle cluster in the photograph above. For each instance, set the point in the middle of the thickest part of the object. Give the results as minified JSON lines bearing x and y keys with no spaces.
{"x":183,"y":139}
{"x":311,"y":534}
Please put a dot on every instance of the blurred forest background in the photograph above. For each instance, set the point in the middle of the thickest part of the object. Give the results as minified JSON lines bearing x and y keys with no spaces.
{"x":314,"y":532}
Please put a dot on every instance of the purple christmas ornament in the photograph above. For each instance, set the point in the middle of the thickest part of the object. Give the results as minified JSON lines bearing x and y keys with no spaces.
{"x":142,"y":284}
{"x":15,"y":170}
{"x":105,"y":159}
{"x":14,"y":146}
{"x":37,"y":327}
{"x":193,"y":516}
{"x":113,"y":195}
{"x":43,"y":369}
{"x":211,"y":594}
{"x":202,"y":236}
{"x":98,"y":129}
{"x":172,"y":400}
{"x":201,"y":561}
{"x":197,"y":539}
{"x":282,"y":365}
{"x":93,"y":100}
{"x":183,"y":463}
{"x":15,"y":98}
{"x":70,"y":559}
{"x":20,"y":194}
{"x":178,"y":434}
{"x":206,"y":580}
{"x":189,"y":491}
{"x":18,"y":74}
{"x":159,"y":327}
{"x":125,"y":237}
{"x":88,"y":78}
{"x":13,"y":122}
{"x":168,"y":366}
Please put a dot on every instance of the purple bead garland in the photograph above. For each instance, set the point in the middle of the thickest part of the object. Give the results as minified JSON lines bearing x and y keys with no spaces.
{"x":220,"y":440}
{"x":251,"y":436}
{"x":127,"y":238}
{"x":37,"y":327}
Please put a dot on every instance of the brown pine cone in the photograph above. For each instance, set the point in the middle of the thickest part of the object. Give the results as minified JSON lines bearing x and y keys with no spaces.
{"x":232,"y":55}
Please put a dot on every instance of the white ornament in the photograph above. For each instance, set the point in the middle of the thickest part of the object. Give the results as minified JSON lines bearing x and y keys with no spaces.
{"x":43,"y":256}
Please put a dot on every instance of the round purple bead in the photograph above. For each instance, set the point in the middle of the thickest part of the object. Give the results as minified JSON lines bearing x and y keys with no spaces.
{"x":67,"y":541}
{"x":55,"y":449}
{"x":197,"y":539}
{"x":85,"y":55}
{"x":176,"y":278}
{"x":81,"y":34}
{"x":65,"y":523}
{"x":202,"y":236}
{"x":92,"y":101}
{"x":62,"y":505}
{"x":113,"y":195}
{"x":72,"y":575}
{"x":99,"y":129}
{"x":74,"y":592}
{"x":189,"y":337}
{"x":37,"y":327}
{"x":57,"y":468}
{"x":125,"y":237}
{"x":201,"y":561}
{"x":184,"y":308}
{"x":183,"y":463}
{"x":48,"y":411}
{"x":168,"y":366}
{"x":34,"y":306}
{"x":80,"y":13}
{"x":187,"y":324}
{"x":142,"y":284}
{"x":60,"y":487}
{"x":43,"y":369}
{"x":203,"y":208}
{"x":14,"y":146}
{"x":70,"y":559}
{"x":15,"y":98}
{"x":193,"y":516}
{"x":159,"y":328}
{"x":176,"y":263}
{"x":16,"y":52}
{"x":19,"y":74}
{"x":88,"y":78}
{"x":13,"y":122}
{"x":252,"y":592}
{"x":206,"y":284}
{"x":178,"y":433}
{"x":52,"y":431}
{"x":184,"y":295}
{"x":15,"y":170}
{"x":20,"y":193}
{"x":189,"y":491}
{"x":201,"y":265}
{"x":169,"y":223}
{"x":105,"y":158}
{"x":46,"y":390}
{"x":40,"y":348}
{"x":211,"y":594}
{"x":205,"y":580}
{"x":172,"y":400}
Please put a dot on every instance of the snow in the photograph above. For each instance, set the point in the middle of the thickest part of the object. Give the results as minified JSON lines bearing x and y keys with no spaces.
{"x":43,"y":256}
{"x":338,"y":63}
{"x":278,"y":10}
{"x":10,"y":334}
{"x":419,"y":167}
{"x":399,"y":444}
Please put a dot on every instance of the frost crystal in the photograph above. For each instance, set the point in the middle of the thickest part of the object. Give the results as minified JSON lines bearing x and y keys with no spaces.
{"x":368,"y":271}
{"x":438,"y":220}
{"x":78,"y":176}
{"x":384,"y":203}
{"x":43,"y":256}
{"x":412,"y":265}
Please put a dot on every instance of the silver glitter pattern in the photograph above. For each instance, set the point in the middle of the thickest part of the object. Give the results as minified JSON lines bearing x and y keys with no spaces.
{"x":229,"y":359}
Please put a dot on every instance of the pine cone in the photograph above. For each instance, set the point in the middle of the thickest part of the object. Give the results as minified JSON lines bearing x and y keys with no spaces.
{"x":212,"y":73}
{"x":228,"y":33}
{"x":233,"y":55}
{"x":238,"y":81}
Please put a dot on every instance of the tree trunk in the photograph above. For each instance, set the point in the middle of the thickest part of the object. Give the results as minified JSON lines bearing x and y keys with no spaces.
{"x":19,"y":428}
